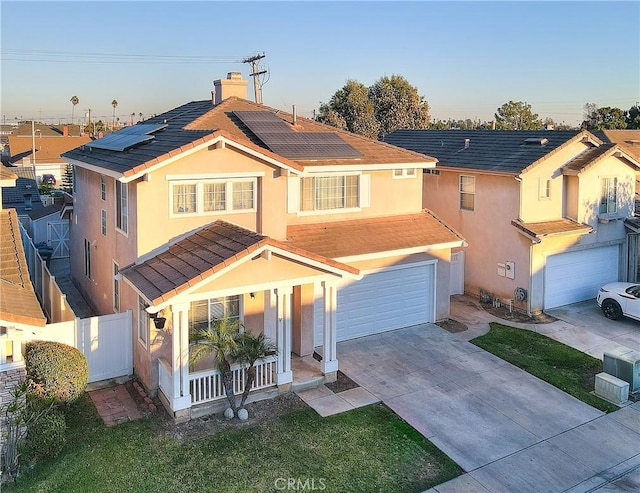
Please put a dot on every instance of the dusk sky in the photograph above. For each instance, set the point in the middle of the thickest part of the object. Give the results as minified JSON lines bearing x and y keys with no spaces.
{"x":465,"y":58}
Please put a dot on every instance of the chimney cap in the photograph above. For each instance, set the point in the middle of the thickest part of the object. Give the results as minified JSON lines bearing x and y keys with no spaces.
{"x":234,"y":75}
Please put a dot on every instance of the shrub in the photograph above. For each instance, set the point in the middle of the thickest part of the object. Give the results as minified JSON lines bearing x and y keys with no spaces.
{"x":46,"y":437}
{"x":58,"y":371}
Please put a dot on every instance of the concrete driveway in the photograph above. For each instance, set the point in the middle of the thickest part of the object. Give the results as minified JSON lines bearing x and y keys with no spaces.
{"x":509,"y":430}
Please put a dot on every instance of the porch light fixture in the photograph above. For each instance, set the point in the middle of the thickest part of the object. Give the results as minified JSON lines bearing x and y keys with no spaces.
{"x":157,"y":321}
{"x":253,"y":295}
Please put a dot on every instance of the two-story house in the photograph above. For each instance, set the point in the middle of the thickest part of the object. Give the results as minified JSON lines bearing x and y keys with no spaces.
{"x":227,"y":207}
{"x":543,"y":211}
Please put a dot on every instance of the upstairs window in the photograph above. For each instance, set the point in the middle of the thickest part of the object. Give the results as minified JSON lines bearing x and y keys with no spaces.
{"x":103,"y":187}
{"x":205,"y":197}
{"x":544,"y":189}
{"x":122,"y":206}
{"x":609,"y":196}
{"x":323,"y":193}
{"x":467,"y":192}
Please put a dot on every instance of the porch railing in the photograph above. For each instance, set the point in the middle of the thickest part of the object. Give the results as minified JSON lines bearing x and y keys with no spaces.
{"x":206,"y":386}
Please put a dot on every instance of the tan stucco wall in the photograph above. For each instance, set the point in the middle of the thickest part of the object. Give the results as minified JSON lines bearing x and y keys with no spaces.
{"x":487,"y":229}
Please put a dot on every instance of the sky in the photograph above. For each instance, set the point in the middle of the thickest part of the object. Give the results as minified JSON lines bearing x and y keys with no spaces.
{"x":465,"y":58}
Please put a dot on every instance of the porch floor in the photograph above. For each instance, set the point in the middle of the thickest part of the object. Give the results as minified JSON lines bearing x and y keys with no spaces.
{"x":305,"y":368}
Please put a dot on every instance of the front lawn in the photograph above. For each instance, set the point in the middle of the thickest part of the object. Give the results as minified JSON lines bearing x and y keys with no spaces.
{"x":558,"y":364}
{"x":367,"y":449}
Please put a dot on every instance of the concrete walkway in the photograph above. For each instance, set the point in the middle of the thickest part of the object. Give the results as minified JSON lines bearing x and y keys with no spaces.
{"x":510,"y":431}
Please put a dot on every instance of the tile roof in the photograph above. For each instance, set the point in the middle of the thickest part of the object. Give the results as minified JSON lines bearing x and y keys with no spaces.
{"x":502,"y":151}
{"x":49,"y":148}
{"x":25,"y":184}
{"x":201,"y":254}
{"x":199,"y":121}
{"x":7,"y":175}
{"x":558,"y":227}
{"x":374,"y":235}
{"x":627,"y":140}
{"x":18,"y":302}
{"x":587,"y":158}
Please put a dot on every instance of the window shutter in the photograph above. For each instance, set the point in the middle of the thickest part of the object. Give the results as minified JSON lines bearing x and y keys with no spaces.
{"x":293,"y":194}
{"x":365,"y":190}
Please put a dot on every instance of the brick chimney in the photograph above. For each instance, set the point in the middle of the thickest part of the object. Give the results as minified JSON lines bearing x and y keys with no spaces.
{"x":233,"y":85}
{"x":65,"y":131}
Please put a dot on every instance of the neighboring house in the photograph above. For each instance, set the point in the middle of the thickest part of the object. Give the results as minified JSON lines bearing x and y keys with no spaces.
{"x":19,"y":307}
{"x":310,"y":234}
{"x":24,"y":196}
{"x":49,"y":145}
{"x":629,"y":141}
{"x":543,"y":211}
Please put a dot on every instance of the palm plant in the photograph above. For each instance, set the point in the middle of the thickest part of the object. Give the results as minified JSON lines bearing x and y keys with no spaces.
{"x":220,"y":339}
{"x":114,"y":103}
{"x":250,"y":349}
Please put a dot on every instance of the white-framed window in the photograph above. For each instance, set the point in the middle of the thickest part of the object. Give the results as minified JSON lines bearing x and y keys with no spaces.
{"x":103,"y":187}
{"x":467,"y":192}
{"x":103,"y":222}
{"x":431,"y":171}
{"x":87,"y":258}
{"x":122,"y":206}
{"x":325,"y":193}
{"x":609,"y":195}
{"x":205,"y":311}
{"x":213,"y":196}
{"x":143,"y":322}
{"x":116,"y":287}
{"x":404,"y":173}
{"x":544,"y":188}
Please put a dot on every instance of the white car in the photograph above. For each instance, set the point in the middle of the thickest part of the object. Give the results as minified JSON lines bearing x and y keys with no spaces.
{"x":620,"y":298}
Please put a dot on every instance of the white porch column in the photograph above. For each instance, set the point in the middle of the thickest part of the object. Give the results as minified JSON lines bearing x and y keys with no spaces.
{"x":270,"y":315}
{"x":180,"y":357}
{"x":283,"y":334}
{"x":329,"y":332}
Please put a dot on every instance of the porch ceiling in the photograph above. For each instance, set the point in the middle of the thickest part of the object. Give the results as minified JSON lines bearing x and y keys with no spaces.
{"x":220,"y":249}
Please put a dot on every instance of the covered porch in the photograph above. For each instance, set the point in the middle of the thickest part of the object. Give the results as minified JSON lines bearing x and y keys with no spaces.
{"x":268,"y":286}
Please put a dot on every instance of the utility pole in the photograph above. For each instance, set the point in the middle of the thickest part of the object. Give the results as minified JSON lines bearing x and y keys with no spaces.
{"x":255,"y":73}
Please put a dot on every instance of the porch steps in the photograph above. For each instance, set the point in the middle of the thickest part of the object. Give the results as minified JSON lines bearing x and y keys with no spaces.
{"x":310,"y":383}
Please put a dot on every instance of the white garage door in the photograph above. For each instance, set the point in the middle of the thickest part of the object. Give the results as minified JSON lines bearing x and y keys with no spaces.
{"x":380,"y":301}
{"x":577,"y":276}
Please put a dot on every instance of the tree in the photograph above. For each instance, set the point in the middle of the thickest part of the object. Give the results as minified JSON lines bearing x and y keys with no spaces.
{"x":517,"y":115}
{"x":389,"y":104}
{"x":114,"y":103}
{"x":605,"y":118}
{"x":351,"y":109}
{"x":74,"y":101}
{"x":252,"y":348}
{"x":397,"y":104}
{"x":633,"y":117}
{"x":218,"y":338}
{"x":67,"y":179}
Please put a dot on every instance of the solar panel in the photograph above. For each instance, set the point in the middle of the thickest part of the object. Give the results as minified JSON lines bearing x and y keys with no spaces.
{"x":116,"y":142}
{"x":280,"y":138}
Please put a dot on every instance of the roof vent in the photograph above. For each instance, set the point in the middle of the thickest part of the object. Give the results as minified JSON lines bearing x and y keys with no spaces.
{"x":536,"y":141}
{"x":466,"y":143}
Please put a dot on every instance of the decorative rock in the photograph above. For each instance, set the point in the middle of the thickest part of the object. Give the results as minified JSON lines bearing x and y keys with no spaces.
{"x":152,"y":407}
{"x":243,"y":414}
{"x":148,"y":400}
{"x":228,"y":413}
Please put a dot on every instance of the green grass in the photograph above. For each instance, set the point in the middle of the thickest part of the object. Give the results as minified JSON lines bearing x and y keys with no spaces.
{"x":368,"y":449}
{"x":558,"y":364}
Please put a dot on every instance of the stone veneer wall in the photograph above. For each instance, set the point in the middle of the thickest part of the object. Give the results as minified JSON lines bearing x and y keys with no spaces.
{"x":8,"y":379}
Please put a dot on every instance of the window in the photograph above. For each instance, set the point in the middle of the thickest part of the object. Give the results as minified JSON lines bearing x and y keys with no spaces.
{"x":404,"y":173}
{"x":103,"y":222}
{"x":213,"y":196}
{"x":103,"y":187}
{"x":609,"y":196}
{"x":143,"y":321}
{"x":323,"y":193}
{"x":184,"y":198}
{"x":431,"y":171}
{"x":205,"y":311}
{"x":544,"y":188}
{"x":87,"y":258}
{"x":122,"y":212}
{"x":116,"y":288}
{"x":467,"y":192}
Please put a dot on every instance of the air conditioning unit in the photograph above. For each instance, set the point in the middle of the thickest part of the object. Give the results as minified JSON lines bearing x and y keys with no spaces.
{"x":623,"y":363}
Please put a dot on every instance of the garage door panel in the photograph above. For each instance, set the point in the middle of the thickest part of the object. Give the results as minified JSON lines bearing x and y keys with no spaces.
{"x":576,"y":276}
{"x":381,"y":301}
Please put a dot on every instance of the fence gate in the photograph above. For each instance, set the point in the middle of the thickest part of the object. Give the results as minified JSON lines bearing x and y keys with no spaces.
{"x":107,"y":343}
{"x":58,"y":238}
